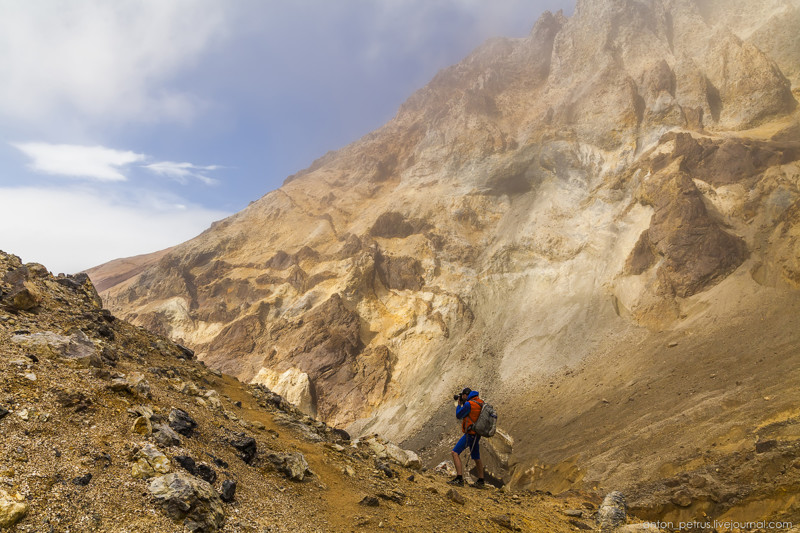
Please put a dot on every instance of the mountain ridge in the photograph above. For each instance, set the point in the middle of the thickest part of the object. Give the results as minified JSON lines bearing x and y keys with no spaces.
{"x":625,"y":174}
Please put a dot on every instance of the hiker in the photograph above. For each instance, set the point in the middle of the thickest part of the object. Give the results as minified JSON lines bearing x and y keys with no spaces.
{"x":468,"y":409}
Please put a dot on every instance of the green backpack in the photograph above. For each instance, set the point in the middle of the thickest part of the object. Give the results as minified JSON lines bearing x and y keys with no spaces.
{"x":486,"y":424}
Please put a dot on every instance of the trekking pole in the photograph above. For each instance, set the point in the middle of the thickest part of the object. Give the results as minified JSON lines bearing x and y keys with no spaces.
{"x":469,"y":456}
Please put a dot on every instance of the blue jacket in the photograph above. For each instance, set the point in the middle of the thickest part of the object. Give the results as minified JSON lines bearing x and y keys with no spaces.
{"x":463,"y":410}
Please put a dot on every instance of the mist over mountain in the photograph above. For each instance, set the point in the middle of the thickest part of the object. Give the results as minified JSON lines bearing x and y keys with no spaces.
{"x":595,"y":225}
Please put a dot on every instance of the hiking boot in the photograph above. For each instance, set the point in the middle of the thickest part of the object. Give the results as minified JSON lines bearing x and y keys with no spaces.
{"x":479,"y":484}
{"x":458,"y":481}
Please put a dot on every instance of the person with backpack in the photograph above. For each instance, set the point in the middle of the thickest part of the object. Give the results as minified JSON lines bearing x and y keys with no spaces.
{"x":468,"y":409}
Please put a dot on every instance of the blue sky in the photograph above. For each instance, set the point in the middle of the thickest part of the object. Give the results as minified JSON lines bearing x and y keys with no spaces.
{"x":129,"y":126}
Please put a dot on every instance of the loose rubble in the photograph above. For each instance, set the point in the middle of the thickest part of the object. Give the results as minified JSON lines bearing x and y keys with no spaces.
{"x":111,"y":437}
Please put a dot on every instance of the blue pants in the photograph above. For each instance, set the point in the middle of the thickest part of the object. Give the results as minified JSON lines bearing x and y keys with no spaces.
{"x":469,"y":441}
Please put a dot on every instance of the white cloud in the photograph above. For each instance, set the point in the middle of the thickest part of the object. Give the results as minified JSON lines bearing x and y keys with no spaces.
{"x":94,"y":162}
{"x":103,"y":60}
{"x":73,"y":229}
{"x":182,"y":172}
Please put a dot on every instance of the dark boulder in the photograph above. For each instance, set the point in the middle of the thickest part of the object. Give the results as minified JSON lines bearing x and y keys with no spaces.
{"x":206,"y":473}
{"x":82,"y":481}
{"x":228,"y":490}
{"x":186,"y":352}
{"x":246,"y":446}
{"x":180,"y":421}
{"x":186,"y":462}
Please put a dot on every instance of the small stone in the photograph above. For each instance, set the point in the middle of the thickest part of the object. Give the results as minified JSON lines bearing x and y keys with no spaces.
{"x":142,"y":426}
{"x":149,"y":462}
{"x":74,"y":400}
{"x":206,"y":473}
{"x":165,"y":436}
{"x":580,"y":525}
{"x":698,"y":482}
{"x":24,"y":300}
{"x":576,"y":513}
{"x":24,"y":414}
{"x":503,"y":521}
{"x":292,"y":465}
{"x":3,"y":412}
{"x":349,"y":471}
{"x":246,"y":446}
{"x":413,"y":461}
{"x":82,"y":481}
{"x":765,"y":445}
{"x":219,"y":462}
{"x":12,"y":510}
{"x":370,"y":501}
{"x":228,"y":490}
{"x":186,"y":462}
{"x":190,"y":388}
{"x":103,"y":460}
{"x":672,"y":344}
{"x":30,"y":376}
{"x":120,"y":385}
{"x":186,"y":353}
{"x":682,"y":498}
{"x":341,"y":434}
{"x":139,"y":385}
{"x":383,"y":467}
{"x":393,"y":496}
{"x":454,"y":496}
{"x":180,"y":421}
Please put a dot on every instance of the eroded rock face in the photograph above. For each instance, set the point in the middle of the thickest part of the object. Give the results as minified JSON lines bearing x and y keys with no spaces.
{"x":693,"y":248}
{"x":292,"y":384}
{"x":612,"y":512}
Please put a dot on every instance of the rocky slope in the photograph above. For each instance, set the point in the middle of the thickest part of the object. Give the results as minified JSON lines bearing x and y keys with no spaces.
{"x":596,"y":225}
{"x":107,"y":427}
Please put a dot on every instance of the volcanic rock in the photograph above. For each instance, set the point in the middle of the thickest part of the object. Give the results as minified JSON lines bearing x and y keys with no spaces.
{"x":292,"y":465}
{"x":612,"y":512}
{"x":12,"y":510}
{"x":189,"y":500}
{"x":455,"y":497}
{"x":228,"y":490}
{"x":165,"y":436}
{"x":148,"y":462}
{"x":247,"y":447}
{"x":182,"y":422}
